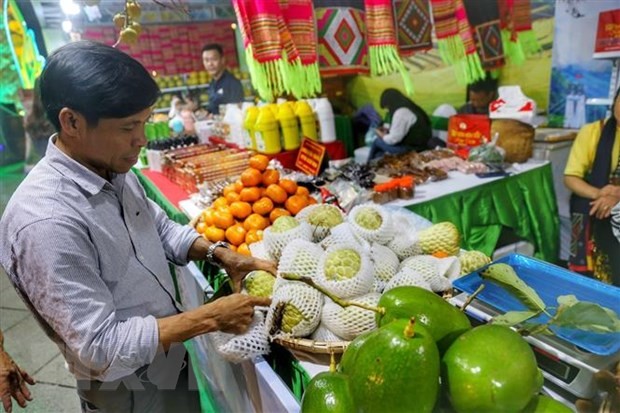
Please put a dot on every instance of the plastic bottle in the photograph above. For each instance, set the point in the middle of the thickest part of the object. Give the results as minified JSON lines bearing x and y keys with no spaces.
{"x":266,"y":132}
{"x":289,"y":127}
{"x":325,"y":115}
{"x":234,"y":119}
{"x":307,"y":120}
{"x":249,"y":140}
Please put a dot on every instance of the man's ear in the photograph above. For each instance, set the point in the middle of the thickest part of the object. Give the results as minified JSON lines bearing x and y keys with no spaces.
{"x":72,"y":123}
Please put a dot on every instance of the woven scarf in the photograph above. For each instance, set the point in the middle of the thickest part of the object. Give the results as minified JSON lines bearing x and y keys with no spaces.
{"x":413,"y":20}
{"x":455,"y":40}
{"x":516,"y":24}
{"x":382,"y":45}
{"x":484,"y":19}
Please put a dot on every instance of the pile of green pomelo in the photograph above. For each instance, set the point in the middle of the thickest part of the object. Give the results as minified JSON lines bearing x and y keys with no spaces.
{"x":425,"y":357}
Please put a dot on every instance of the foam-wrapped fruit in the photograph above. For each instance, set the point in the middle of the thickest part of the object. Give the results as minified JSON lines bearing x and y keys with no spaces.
{"x":472,"y":260}
{"x":259,"y":283}
{"x":443,"y":237}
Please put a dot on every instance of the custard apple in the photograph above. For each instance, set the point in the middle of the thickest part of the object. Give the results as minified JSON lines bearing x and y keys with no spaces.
{"x":259,"y":283}
{"x":342,"y":265}
{"x":349,"y":322}
{"x":346,"y":270}
{"x":295,"y":309}
{"x":472,"y":260}
{"x":284,"y":223}
{"x":368,"y":218}
{"x":440,"y":238}
{"x":325,"y":215}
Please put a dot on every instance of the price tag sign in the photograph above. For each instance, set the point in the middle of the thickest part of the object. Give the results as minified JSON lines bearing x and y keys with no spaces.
{"x":310,"y":157}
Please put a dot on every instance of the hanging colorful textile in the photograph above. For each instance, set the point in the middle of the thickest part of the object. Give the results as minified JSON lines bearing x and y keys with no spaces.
{"x":413,"y":20}
{"x":516,"y":23}
{"x":484,"y":19}
{"x":299,"y":18}
{"x":455,"y":40}
{"x":341,"y":29}
{"x":382,"y":45}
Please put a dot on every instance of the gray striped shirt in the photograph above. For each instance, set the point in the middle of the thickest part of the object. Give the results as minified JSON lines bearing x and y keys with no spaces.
{"x":90,"y":258}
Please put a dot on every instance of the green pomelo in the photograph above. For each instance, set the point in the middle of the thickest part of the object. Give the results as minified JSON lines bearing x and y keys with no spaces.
{"x":546,"y":404}
{"x":283,"y":224}
{"x":342,"y":265}
{"x":444,"y":321}
{"x":396,"y":369}
{"x":347,"y":361}
{"x":259,"y":283}
{"x":328,"y":392}
{"x":325,"y":216}
{"x":490,"y":369}
{"x":368,"y":218}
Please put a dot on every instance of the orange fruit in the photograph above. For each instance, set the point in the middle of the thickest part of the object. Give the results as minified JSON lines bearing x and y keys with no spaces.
{"x":276,"y":193}
{"x":200,"y":227}
{"x":302,"y":190}
{"x":250,"y":194}
{"x":223,"y":219}
{"x":232,"y":197}
{"x":255,"y":221}
{"x":278,"y":212}
{"x":214,"y":234}
{"x":240,"y":210}
{"x":251,"y":177}
{"x":236,"y":234}
{"x":207,"y":216}
{"x":238,"y":185}
{"x":295,"y":203}
{"x":243,"y":249}
{"x":270,"y":176}
{"x":233,"y":247}
{"x":263,"y":206}
{"x":253,"y":235}
{"x":229,"y":188}
{"x":259,"y":162}
{"x":289,"y":186}
{"x":220,"y":202}
{"x":311,"y":200}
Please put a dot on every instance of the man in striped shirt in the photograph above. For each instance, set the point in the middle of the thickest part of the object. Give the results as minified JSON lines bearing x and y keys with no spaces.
{"x":89,"y":252}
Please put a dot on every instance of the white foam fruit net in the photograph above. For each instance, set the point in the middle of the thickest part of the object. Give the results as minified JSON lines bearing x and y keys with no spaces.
{"x":385,"y":262}
{"x":321,"y":218}
{"x":300,"y":257}
{"x":346,"y":270}
{"x":322,"y":333}
{"x":372,"y":223}
{"x":237,"y":348}
{"x":429,"y":268}
{"x":295,"y":309}
{"x":276,"y":241}
{"x":258,"y":249}
{"x":407,"y":277}
{"x":343,"y":234}
{"x":351,"y":321}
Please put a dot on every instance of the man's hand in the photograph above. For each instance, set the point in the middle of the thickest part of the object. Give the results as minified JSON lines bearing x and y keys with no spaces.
{"x":601,"y":206}
{"x":13,"y":383}
{"x":233,"y":313}
{"x":237,"y":266}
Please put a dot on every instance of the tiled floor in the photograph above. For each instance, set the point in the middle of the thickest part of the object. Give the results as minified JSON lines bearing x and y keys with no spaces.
{"x":26,"y":342}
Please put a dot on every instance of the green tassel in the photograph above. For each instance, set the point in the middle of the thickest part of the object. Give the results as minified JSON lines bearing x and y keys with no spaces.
{"x":529,"y":42}
{"x":385,"y":60}
{"x":451,"y":49}
{"x":469,"y":69}
{"x":512,"y":50}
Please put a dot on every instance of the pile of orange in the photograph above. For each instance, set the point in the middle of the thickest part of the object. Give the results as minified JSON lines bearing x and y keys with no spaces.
{"x":250,"y":205}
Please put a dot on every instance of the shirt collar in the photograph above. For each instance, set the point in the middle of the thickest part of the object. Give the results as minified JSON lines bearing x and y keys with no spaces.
{"x":70,"y":168}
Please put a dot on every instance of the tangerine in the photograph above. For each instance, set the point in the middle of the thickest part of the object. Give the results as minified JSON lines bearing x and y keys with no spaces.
{"x":270,"y":176}
{"x":251,"y":177}
{"x":236,"y":234}
{"x":255,"y":221}
{"x":229,"y":188}
{"x":250,"y":194}
{"x":302,"y":190}
{"x":207,"y":216}
{"x":232,"y":196}
{"x":278,"y":212}
{"x":253,"y":235}
{"x":238,"y":185}
{"x":311,"y":200}
{"x":259,"y":162}
{"x":220,"y":202}
{"x":200,"y":227}
{"x":244,"y":249}
{"x":276,"y":193}
{"x":240,"y":210}
{"x":288,"y":185}
{"x":214,"y":234}
{"x":263,"y":206}
{"x":223,"y":219}
{"x":296,"y":203}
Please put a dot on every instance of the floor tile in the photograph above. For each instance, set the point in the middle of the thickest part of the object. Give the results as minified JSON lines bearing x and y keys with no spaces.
{"x":9,"y":318}
{"x":29,"y":346}
{"x":55,"y":372}
{"x":49,"y":398}
{"x":10,"y":299}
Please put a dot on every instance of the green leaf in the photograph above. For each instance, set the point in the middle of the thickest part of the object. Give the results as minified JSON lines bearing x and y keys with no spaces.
{"x":512,"y":318}
{"x":587,"y":316}
{"x":567,"y":300}
{"x":506,"y":277}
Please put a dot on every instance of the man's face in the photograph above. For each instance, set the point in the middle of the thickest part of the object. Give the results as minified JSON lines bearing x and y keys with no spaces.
{"x":480,"y":100}
{"x":113,"y":145}
{"x":213,"y":62}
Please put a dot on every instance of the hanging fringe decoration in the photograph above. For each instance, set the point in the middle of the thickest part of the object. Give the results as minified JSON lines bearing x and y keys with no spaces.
{"x":517,"y":35}
{"x":382,"y":44}
{"x":484,"y":20}
{"x":455,"y":41}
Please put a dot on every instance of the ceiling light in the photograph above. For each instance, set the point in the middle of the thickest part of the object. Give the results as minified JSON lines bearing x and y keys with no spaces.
{"x":67,"y":26}
{"x":69,"y":7}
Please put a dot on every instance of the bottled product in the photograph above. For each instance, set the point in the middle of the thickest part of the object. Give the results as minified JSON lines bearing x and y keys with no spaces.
{"x":307,"y":120}
{"x":234,"y":119}
{"x":289,"y":127}
{"x":266,"y":132}
{"x":249,"y":140}
{"x":325,"y":116}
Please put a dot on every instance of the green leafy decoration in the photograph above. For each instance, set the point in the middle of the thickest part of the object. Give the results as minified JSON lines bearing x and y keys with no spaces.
{"x":506,"y":277}
{"x":584,"y":315}
{"x":512,"y":318}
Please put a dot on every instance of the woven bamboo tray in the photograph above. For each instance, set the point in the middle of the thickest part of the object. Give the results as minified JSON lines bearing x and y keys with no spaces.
{"x":318,"y":352}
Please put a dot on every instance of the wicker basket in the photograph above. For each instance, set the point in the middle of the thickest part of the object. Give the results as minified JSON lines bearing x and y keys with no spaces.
{"x":317,"y":352}
{"x":515,"y":137}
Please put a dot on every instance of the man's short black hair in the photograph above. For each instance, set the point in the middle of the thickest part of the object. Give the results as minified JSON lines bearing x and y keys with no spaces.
{"x":213,"y":46}
{"x":97,"y":81}
{"x":488,"y":84}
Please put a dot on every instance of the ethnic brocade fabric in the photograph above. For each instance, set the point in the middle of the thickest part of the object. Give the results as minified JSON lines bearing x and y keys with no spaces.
{"x":414,"y":26}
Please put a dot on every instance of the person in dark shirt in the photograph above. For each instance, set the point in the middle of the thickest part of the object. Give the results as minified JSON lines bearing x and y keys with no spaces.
{"x":479,"y":95}
{"x":224,"y":87}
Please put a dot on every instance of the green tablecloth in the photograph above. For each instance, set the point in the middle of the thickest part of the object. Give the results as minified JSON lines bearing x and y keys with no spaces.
{"x":524,"y":202}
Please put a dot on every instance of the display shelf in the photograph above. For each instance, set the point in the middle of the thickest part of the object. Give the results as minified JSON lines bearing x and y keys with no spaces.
{"x":181,"y":88}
